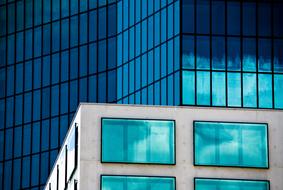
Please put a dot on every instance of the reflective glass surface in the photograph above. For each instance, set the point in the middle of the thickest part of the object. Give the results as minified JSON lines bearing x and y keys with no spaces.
{"x":138,"y":141}
{"x":230,"y":184}
{"x":230,"y":144}
{"x":137,"y":183}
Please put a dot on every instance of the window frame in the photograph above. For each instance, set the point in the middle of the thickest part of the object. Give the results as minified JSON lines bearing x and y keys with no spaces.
{"x":231,"y":179}
{"x":231,"y":166}
{"x":142,"y":163}
{"x":136,"y":176}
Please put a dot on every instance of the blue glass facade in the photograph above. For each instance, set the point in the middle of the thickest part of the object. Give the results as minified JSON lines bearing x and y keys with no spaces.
{"x":232,"y":53}
{"x":57,"y":53}
{"x":53,"y":55}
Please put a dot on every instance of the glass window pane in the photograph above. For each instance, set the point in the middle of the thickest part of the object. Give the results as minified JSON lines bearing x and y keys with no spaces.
{"x":218,"y":17}
{"x":188,"y":52}
{"x":234,"y":89}
{"x":231,"y":144}
{"x":147,"y":141}
{"x":203,"y":16}
{"x":203,"y":88}
{"x":278,"y":91}
{"x":249,"y":90}
{"x":203,"y":52}
{"x":249,"y":54}
{"x":233,"y":18}
{"x":230,"y":184}
{"x":233,"y":54}
{"x":265,"y":90}
{"x":218,"y":88}
{"x":264,"y":19}
{"x":218,"y":53}
{"x":278,"y":56}
{"x":137,"y":183}
{"x":264,"y":52}
{"x":188,"y":87}
{"x":249,"y":19}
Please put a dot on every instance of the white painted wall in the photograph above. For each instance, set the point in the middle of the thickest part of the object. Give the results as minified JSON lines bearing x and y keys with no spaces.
{"x":90,"y":168}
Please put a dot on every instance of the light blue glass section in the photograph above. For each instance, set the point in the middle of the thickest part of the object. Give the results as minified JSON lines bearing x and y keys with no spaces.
{"x":218,"y":53}
{"x":138,"y":141}
{"x":221,"y":184}
{"x":188,"y":87}
{"x":278,"y":56}
{"x":265,"y":90}
{"x":218,"y":88}
{"x":264,"y":55}
{"x":203,"y":88}
{"x":278,"y":91}
{"x":234,"y":89}
{"x":137,"y":183}
{"x":231,"y":144}
{"x":249,"y":90}
{"x":233,"y":54}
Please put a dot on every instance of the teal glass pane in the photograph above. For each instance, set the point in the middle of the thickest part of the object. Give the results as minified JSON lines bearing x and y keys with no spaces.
{"x":278,"y":91}
{"x":234,"y":89}
{"x":249,"y":54}
{"x":203,"y":88}
{"x":137,"y":183}
{"x":203,"y":52}
{"x":138,"y":141}
{"x":188,"y":87}
{"x":188,"y":55}
{"x":230,"y":144}
{"x":249,"y":90}
{"x":230,"y":184}
{"x":265,"y":90}
{"x":218,"y":88}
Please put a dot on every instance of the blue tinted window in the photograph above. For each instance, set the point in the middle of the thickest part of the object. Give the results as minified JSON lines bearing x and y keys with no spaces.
{"x":188,"y":52}
{"x":54,"y":100}
{"x":36,"y":105}
{"x":74,"y":31}
{"x":37,"y":41}
{"x":46,"y":39}
{"x":64,"y":98}
{"x":218,"y":53}
{"x":230,"y":144}
{"x":64,"y":33}
{"x":264,"y":21}
{"x":160,"y":134}
{"x":56,"y":36}
{"x":249,"y":90}
{"x":234,"y":89}
{"x":27,"y":107}
{"x":19,"y":78}
{"x":249,"y":54}
{"x":212,"y":184}
{"x":203,"y":88}
{"x":265,"y":90}
{"x":3,"y":19}
{"x":83,"y":28}
{"x":54,"y":132}
{"x":3,"y":51}
{"x":233,"y":54}
{"x":55,"y":10}
{"x":188,"y":13}
{"x":35,"y":137}
{"x":203,"y":52}
{"x":188,"y":87}
{"x":10,"y":111}
{"x":27,"y":139}
{"x":74,"y":6}
{"x":278,"y":91}
{"x":102,"y":56}
{"x":277,"y":22}
{"x":233,"y":18}
{"x":29,"y":13}
{"x":218,"y":17}
{"x":55,"y":68}
{"x":45,"y":138}
{"x":46,"y":10}
{"x":102,"y":23}
{"x":264,"y":55}
{"x":26,"y":172}
{"x":218,"y":88}
{"x":64,"y":8}
{"x":46,"y":69}
{"x":19,"y":46}
{"x":73,"y":95}
{"x":37,"y":12}
{"x":249,"y":18}
{"x":64,"y":66}
{"x":83,"y":61}
{"x":111,"y":20}
{"x":11,"y":18}
{"x":145,"y":183}
{"x":34,"y":170}
{"x":45,"y":102}
{"x":11,"y":50}
{"x":93,"y":25}
{"x":17,"y":141}
{"x":203,"y":18}
{"x":278,"y":57}
{"x":28,"y":75}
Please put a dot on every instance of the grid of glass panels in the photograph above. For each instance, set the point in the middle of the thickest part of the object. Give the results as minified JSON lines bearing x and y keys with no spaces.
{"x":137,"y":183}
{"x":232,"y":53}
{"x":138,"y":141}
{"x":231,"y":144}
{"x":148,"y":52}
{"x":230,"y":184}
{"x":53,"y":55}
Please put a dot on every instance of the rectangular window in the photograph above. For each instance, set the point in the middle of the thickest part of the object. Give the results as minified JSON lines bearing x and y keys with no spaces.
{"x":231,"y":144}
{"x":138,"y":141}
{"x":188,"y":87}
{"x":212,"y":184}
{"x":142,"y":182}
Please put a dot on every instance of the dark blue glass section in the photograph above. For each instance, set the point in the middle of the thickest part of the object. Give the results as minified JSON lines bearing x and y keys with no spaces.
{"x":278,"y":58}
{"x":233,"y":18}
{"x":233,"y":54}
{"x":218,"y":53}
{"x":249,"y":54}
{"x":264,"y":19}
{"x":188,"y":55}
{"x":264,"y":55}
{"x":218,"y":17}
{"x":249,"y":19}
{"x":203,"y":14}
{"x":188,"y":13}
{"x":203,"y":52}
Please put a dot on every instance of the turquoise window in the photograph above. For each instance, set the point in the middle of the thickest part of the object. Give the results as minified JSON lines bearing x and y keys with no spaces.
{"x":137,"y":183}
{"x":230,"y":144}
{"x":138,"y":141}
{"x":230,"y":184}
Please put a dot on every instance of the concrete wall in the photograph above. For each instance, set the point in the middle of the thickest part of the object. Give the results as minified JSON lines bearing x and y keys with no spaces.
{"x":90,"y":167}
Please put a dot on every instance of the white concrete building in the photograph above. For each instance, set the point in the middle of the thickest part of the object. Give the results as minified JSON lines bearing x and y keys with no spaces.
{"x":119,"y":147}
